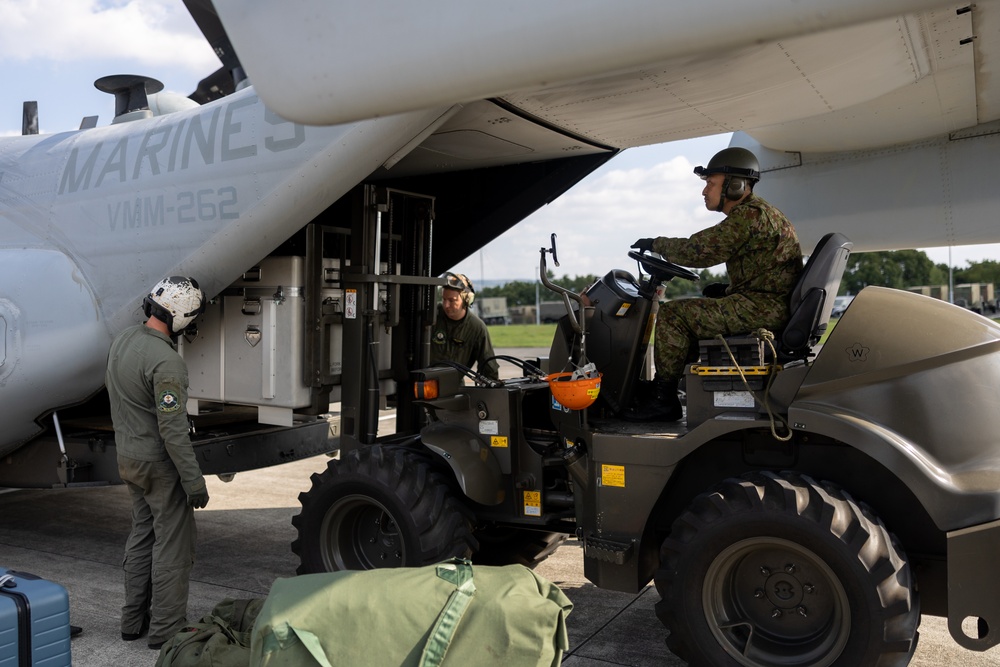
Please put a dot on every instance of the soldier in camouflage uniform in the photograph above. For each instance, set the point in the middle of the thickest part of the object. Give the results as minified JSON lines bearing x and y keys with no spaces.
{"x":763,"y":260}
{"x":458,"y":334}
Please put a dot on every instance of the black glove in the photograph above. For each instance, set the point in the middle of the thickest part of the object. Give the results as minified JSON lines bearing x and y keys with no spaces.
{"x":643,"y":245}
{"x":715,"y":290}
{"x":198,"y":500}
{"x":197,"y":492}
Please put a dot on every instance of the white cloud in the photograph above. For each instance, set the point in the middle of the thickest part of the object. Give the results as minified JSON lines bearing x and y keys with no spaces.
{"x":149,"y":32}
{"x":52,"y":51}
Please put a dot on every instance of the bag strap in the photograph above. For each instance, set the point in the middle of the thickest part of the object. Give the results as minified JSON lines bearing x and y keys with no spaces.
{"x":458,"y":572}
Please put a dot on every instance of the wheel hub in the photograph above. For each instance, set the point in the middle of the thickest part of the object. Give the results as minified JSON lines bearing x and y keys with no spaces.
{"x":360,"y":534}
{"x":773,"y":602}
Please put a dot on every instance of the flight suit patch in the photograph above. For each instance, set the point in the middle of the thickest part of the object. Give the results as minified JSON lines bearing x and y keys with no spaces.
{"x":168,"y":402}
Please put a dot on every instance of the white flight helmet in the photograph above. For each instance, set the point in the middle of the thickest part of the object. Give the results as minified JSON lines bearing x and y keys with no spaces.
{"x":175,"y":301}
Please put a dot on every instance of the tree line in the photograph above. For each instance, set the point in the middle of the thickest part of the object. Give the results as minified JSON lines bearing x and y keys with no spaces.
{"x":908,"y":268}
{"x":899,"y":269}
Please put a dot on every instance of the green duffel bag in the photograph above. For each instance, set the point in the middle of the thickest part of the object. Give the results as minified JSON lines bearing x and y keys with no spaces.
{"x":221,"y":639}
{"x":449,"y":614}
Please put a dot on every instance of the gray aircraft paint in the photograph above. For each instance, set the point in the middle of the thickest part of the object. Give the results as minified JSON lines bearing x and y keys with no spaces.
{"x":93,"y":218}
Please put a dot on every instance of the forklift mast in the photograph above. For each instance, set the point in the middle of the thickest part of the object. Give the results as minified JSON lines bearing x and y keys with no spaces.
{"x":387,"y":288}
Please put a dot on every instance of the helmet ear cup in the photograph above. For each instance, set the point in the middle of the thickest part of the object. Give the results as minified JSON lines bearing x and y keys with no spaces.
{"x":469,"y":293}
{"x":736,"y":188}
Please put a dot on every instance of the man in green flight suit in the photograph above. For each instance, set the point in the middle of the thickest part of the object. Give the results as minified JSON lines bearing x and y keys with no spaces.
{"x":458,"y":334}
{"x":763,"y":260}
{"x":147,"y":385}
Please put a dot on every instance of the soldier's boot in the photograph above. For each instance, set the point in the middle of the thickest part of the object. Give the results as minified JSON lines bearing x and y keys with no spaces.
{"x":660,"y":403}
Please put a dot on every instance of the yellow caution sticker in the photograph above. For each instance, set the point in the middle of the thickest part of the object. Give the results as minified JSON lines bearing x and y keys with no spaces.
{"x":532,"y":503}
{"x":498,"y":441}
{"x":613,"y":475}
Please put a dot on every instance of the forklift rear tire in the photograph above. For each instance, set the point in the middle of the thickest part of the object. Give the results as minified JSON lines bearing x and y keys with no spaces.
{"x":379,"y":507}
{"x":778,"y":569}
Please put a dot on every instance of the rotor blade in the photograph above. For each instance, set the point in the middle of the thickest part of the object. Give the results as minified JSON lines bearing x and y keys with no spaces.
{"x":215,"y":85}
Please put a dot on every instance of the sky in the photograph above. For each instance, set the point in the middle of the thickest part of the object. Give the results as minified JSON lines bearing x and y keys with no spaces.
{"x":52,"y":51}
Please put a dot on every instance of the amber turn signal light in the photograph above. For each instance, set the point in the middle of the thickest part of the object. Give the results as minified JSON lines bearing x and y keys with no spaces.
{"x":426,"y":389}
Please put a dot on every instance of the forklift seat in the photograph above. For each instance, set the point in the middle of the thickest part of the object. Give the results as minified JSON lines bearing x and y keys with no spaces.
{"x":812,"y":299}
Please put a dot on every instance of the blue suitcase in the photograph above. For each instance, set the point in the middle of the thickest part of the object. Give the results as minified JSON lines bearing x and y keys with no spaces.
{"x":34,"y":621}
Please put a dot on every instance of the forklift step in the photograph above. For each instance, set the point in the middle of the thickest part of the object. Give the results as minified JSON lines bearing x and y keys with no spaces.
{"x":607,"y":550}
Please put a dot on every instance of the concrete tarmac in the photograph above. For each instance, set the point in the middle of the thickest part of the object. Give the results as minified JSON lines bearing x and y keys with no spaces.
{"x":76,"y":537}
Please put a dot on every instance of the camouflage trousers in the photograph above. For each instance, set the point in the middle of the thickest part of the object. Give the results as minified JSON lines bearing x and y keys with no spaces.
{"x":681,"y":323}
{"x":159,"y":553}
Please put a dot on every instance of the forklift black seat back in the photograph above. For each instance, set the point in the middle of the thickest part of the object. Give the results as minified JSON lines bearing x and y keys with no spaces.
{"x":812,"y":299}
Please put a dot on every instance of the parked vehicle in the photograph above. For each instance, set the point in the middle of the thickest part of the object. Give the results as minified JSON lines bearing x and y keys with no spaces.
{"x":840,"y":304}
{"x":809,"y":508}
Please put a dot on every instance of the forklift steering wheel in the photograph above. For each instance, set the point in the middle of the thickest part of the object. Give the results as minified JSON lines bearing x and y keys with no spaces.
{"x":661,"y":269}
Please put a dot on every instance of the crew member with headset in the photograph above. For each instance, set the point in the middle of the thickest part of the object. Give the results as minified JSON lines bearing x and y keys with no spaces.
{"x":458,"y":334}
{"x":147,"y":383}
{"x":763,"y":260}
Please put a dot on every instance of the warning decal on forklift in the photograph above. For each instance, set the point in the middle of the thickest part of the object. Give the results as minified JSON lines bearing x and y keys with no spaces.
{"x":532,"y":503}
{"x":498,"y":441}
{"x":351,"y":304}
{"x":623,"y":311}
{"x":612,"y":475}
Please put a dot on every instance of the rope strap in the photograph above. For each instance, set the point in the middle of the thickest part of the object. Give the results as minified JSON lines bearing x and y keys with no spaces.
{"x":767,"y":337}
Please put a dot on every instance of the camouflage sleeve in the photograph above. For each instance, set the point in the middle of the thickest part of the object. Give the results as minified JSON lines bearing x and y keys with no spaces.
{"x":170,"y":394}
{"x":708,"y":247}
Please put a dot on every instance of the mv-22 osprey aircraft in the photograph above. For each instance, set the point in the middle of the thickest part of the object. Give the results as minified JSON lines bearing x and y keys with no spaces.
{"x":336,"y":164}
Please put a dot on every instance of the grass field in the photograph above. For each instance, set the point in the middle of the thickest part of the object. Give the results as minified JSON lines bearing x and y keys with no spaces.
{"x":522,"y":335}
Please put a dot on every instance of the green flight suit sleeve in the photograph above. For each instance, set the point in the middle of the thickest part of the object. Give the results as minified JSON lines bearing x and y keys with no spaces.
{"x":170,"y":393}
{"x":486,"y":364}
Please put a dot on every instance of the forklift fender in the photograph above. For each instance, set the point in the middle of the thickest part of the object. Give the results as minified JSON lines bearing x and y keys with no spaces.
{"x":472,"y":462}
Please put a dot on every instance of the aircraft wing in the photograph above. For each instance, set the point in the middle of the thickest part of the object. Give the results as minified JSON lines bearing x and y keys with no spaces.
{"x":873,"y":119}
{"x":313,"y":62}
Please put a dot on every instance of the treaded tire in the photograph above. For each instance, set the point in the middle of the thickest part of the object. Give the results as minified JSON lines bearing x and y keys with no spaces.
{"x":510,"y":545}
{"x":777,"y":569}
{"x":377,"y":507}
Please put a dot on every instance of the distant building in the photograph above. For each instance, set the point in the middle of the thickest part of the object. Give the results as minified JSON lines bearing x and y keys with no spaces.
{"x":979,"y":297}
